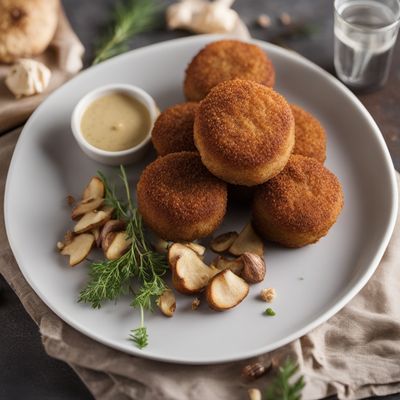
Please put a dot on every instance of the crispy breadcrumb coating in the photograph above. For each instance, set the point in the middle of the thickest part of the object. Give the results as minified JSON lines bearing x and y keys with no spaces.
{"x":225,"y":60}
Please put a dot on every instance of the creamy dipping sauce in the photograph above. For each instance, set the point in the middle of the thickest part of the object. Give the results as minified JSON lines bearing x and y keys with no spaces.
{"x":115,"y":122}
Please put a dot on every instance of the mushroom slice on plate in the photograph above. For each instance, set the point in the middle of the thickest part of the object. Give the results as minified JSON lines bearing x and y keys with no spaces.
{"x":235,"y":265}
{"x":167,"y":303}
{"x":189,"y":273}
{"x":95,"y":189}
{"x":226,"y":290}
{"x":78,"y":248}
{"x":247,"y":242}
{"x":113,"y":225}
{"x":93,"y":219}
{"x":115,"y":245}
{"x":85,"y":206}
{"x":222,"y":242}
{"x":198,"y":248}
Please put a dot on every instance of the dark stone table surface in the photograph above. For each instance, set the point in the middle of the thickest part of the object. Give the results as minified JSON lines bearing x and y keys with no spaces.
{"x":26,"y":372}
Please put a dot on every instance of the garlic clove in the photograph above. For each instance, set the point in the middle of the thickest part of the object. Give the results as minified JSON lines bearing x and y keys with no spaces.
{"x":202,"y":16}
{"x":27,"y":77}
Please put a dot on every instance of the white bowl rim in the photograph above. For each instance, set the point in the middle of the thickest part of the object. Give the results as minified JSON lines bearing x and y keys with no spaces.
{"x":135,"y":92}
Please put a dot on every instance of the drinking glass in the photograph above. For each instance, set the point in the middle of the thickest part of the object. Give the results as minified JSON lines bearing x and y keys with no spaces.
{"x":365,"y":34}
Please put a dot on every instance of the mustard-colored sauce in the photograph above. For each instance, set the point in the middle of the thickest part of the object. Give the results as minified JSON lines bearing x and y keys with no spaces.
{"x":115,"y":122}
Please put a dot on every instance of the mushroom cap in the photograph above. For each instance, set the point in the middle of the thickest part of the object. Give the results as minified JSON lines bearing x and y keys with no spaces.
{"x":26,"y":27}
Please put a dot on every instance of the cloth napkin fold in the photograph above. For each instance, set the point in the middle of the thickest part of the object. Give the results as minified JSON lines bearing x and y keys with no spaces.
{"x":354,"y":355}
{"x":63,"y":57}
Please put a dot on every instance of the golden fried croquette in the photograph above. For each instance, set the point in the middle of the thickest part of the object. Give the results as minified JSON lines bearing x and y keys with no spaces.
{"x":173,"y":129}
{"x":179,"y":199}
{"x":244,"y":132}
{"x":224,"y":60}
{"x":310,"y":138}
{"x":299,"y":205}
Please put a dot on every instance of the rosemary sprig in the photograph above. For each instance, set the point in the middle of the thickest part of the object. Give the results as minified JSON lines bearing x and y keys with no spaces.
{"x":109,"y":279}
{"x":130,"y":18}
{"x":282,"y":388}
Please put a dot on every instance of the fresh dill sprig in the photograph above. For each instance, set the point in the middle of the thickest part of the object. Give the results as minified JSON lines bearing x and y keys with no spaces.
{"x":139,"y":335}
{"x":130,"y":18}
{"x":109,"y":279}
{"x":282,"y":388}
{"x":111,"y":199}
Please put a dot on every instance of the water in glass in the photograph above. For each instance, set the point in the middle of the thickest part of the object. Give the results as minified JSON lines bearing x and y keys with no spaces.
{"x":365,"y":33}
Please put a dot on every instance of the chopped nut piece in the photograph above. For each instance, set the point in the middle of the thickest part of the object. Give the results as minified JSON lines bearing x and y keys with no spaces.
{"x":253,"y":268}
{"x":254,"y":371}
{"x":195,"y":303}
{"x":70,"y":200}
{"x":167,"y":303}
{"x":264,"y":21}
{"x":254,"y":394}
{"x":268,"y":295}
{"x":285,"y":19}
{"x":222,"y":242}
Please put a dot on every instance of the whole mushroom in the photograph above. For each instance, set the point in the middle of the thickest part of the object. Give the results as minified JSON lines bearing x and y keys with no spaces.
{"x":26,"y":27}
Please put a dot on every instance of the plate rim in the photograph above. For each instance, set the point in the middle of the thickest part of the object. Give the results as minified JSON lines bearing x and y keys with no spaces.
{"x":345,"y":298}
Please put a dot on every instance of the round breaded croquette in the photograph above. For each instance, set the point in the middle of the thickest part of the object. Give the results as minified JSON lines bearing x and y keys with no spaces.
{"x":310,"y":138}
{"x":173,"y":129}
{"x":179,"y":199}
{"x":244,"y":132}
{"x":225,"y":60}
{"x":298,"y":206}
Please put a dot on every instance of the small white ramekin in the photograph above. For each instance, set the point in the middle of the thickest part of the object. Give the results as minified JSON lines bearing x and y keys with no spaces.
{"x":128,"y":156}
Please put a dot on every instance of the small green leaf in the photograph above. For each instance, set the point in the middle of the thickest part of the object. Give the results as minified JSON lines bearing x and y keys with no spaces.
{"x":270,"y":312}
{"x":281,"y":387}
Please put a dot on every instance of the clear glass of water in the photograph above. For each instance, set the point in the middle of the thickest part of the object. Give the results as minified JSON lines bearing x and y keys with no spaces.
{"x":365,"y":34}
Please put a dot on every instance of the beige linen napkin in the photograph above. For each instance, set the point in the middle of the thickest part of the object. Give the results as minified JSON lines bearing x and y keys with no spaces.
{"x":63,"y":57}
{"x":355,"y":354}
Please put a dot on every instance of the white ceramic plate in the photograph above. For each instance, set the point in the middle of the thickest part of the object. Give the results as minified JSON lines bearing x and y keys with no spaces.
{"x":312,"y":283}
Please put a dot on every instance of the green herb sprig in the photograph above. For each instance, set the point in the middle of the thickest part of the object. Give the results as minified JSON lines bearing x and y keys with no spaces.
{"x":139,"y":335}
{"x":130,"y":18}
{"x":282,"y":388}
{"x":110,"y":279}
